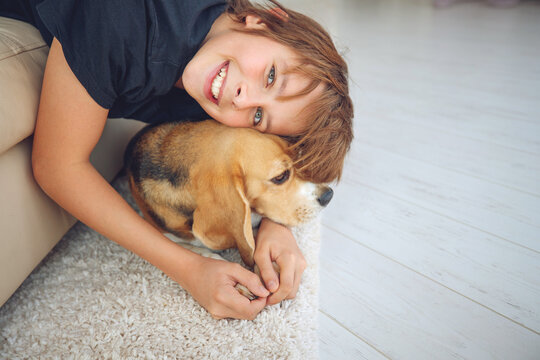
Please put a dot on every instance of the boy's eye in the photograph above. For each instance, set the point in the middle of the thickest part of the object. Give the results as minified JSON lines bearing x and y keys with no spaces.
{"x":258,"y":116}
{"x":271,"y":76}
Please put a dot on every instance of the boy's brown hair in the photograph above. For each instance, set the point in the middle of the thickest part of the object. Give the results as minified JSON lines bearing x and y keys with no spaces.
{"x":320,"y":150}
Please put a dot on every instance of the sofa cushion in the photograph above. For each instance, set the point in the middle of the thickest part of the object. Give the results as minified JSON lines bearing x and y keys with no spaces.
{"x":23,"y":54}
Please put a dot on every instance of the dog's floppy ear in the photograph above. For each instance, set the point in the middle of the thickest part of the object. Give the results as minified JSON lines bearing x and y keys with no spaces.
{"x":222,"y":218}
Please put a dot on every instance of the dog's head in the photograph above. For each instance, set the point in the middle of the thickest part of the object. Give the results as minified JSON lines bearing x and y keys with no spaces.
{"x":271,"y":185}
{"x":255,"y":172}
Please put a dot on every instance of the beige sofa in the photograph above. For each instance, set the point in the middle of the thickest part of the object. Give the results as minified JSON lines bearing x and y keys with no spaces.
{"x":31,"y":223}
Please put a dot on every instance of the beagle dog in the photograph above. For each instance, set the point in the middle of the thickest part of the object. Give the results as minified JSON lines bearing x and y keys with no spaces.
{"x":204,"y":179}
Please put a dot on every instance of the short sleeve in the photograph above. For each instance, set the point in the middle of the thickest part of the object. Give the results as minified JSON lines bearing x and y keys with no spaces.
{"x":104,"y":42}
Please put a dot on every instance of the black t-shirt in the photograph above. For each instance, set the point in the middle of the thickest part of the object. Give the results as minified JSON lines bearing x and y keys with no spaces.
{"x":128,"y":54}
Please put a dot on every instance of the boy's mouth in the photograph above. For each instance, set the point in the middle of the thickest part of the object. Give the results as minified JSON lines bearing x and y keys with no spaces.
{"x":215,"y":81}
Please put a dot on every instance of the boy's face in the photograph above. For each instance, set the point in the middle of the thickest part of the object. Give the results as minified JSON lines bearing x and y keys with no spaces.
{"x":247,"y":73}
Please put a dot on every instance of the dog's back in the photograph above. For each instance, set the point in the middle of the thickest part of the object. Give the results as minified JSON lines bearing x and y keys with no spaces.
{"x":159,"y":162}
{"x":155,"y":174}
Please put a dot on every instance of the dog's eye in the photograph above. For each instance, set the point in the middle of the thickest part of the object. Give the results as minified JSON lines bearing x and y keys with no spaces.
{"x":281,"y":178}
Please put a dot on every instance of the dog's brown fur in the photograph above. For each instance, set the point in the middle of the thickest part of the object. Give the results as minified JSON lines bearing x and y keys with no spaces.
{"x":204,"y":178}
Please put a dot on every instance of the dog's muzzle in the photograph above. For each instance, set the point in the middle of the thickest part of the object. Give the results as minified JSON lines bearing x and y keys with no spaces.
{"x":326,"y":196}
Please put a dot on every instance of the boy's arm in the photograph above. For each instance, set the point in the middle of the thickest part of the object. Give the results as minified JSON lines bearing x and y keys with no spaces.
{"x":68,"y":127}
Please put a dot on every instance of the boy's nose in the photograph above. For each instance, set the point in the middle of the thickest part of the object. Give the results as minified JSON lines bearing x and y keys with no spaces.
{"x":244,"y":98}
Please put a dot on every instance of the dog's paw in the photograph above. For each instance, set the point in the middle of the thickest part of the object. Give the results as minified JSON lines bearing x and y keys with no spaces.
{"x":245,"y":291}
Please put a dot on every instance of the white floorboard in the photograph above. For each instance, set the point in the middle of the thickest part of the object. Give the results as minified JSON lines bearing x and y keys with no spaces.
{"x":480,"y":266}
{"x":485,"y":160}
{"x":496,"y":209}
{"x":338,"y":343}
{"x":408,"y":316}
{"x":431,"y":246}
{"x":510,"y":127}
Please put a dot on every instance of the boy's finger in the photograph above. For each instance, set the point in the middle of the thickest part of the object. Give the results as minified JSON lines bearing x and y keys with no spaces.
{"x":286,"y":282}
{"x":296,"y":285}
{"x":242,"y":308}
{"x":268,"y":274}
{"x":297,"y":279}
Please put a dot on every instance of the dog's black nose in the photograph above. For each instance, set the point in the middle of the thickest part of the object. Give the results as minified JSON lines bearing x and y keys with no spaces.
{"x":326,"y":196}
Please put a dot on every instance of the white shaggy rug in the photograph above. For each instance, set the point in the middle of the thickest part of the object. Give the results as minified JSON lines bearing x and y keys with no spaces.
{"x":92,"y":299}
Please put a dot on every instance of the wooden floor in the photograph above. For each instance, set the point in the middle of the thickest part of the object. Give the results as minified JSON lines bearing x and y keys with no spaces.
{"x":431,"y":246}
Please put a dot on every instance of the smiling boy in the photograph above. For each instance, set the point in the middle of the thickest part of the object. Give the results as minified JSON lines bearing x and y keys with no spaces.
{"x":269,"y":68}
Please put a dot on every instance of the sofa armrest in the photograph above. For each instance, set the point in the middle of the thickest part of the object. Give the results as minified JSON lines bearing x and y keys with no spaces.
{"x":23,"y":55}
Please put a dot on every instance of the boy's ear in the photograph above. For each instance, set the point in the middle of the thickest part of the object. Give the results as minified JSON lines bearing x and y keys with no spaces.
{"x":253,"y":22}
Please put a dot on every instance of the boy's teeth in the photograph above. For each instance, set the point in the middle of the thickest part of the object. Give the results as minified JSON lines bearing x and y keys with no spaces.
{"x":218,"y":81}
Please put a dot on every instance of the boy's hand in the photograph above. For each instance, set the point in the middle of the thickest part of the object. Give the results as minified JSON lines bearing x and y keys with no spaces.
{"x":275,"y":242}
{"x":212,"y":285}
